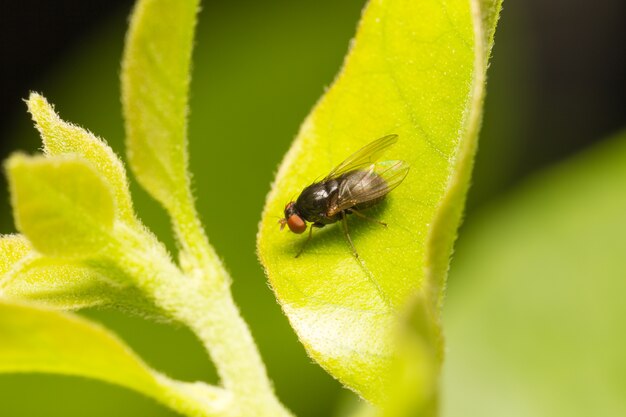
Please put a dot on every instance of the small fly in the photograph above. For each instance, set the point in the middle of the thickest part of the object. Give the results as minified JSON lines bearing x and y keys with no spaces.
{"x":357,"y":183}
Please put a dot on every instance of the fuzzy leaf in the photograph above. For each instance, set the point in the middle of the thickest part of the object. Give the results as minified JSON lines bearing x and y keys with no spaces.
{"x":13,"y":249}
{"x":61,"y":204}
{"x":62,"y":284}
{"x":38,"y":340}
{"x":535,"y":317}
{"x":58,"y":283}
{"x":61,"y":138}
{"x":66,"y":284}
{"x":155,"y":86}
{"x":415,"y":69}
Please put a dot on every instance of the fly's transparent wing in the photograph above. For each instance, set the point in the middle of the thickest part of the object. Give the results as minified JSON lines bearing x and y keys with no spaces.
{"x":369,"y":184}
{"x":365,"y":156}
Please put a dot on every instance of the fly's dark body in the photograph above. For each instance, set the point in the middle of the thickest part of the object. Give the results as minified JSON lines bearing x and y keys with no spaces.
{"x":357,"y":183}
{"x":318,"y":202}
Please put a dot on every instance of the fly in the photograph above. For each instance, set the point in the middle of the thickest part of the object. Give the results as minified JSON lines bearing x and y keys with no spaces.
{"x":357,"y":183}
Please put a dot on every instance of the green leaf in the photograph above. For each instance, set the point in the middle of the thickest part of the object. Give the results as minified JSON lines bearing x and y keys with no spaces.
{"x":61,"y":138}
{"x":13,"y":249}
{"x":155,"y":86}
{"x":25,"y":275}
{"x":67,"y":284}
{"x":535,"y":316}
{"x":416,"y":69}
{"x":61,"y":204}
{"x":63,"y":284}
{"x":38,"y":340}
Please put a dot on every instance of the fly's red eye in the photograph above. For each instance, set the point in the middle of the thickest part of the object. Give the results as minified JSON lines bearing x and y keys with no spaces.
{"x":296,"y":224}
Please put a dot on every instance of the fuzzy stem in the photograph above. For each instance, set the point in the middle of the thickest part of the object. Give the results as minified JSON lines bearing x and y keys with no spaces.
{"x":201,"y":299}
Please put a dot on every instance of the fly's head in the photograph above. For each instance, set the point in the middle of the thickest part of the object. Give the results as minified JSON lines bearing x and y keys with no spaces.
{"x":292,"y":219}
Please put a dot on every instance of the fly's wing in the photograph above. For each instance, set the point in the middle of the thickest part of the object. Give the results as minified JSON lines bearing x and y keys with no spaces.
{"x":365,"y":185}
{"x":363,"y":157}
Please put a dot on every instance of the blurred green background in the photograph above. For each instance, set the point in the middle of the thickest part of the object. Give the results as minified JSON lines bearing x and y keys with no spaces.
{"x":556,"y":87}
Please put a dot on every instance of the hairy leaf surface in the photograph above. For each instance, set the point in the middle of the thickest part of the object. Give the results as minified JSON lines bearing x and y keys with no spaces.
{"x":39,"y":340}
{"x":62,"y":204}
{"x":60,"y":283}
{"x":60,"y":138}
{"x":155,"y":85}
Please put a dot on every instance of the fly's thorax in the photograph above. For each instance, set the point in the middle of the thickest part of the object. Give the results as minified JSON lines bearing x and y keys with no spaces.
{"x":313,"y":202}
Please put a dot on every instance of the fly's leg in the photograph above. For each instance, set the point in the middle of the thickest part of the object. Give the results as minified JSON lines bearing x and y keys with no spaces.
{"x":308,"y":239}
{"x":369,"y":219}
{"x":344,"y":221}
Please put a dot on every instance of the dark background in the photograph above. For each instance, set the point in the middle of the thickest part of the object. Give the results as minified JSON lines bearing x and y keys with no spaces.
{"x":557,"y":84}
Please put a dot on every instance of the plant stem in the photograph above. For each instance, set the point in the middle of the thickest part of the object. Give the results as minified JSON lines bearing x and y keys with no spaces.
{"x":201,"y":299}
{"x":228,"y":339}
{"x":197,"y":255}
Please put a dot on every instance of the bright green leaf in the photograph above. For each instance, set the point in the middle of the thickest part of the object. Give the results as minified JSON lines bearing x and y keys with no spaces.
{"x":155,"y":86}
{"x":535,"y":317}
{"x":26,"y":275}
{"x":60,"y":138}
{"x":61,"y":204}
{"x":416,"y":69}
{"x":13,"y":248}
{"x":66,"y":284}
{"x":62,"y":284}
{"x":38,"y":340}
